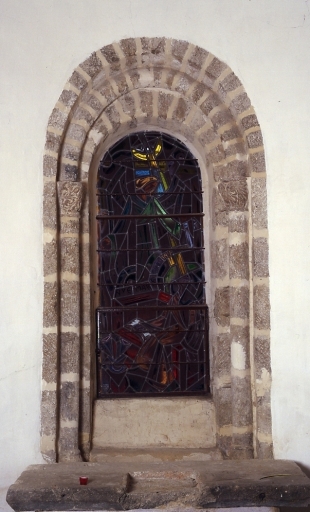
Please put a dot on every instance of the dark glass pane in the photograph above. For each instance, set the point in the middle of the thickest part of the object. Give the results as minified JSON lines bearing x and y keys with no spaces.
{"x":152,"y":322}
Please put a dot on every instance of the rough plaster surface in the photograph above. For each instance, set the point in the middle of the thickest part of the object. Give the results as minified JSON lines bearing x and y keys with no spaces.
{"x":167,"y":422}
{"x":271,"y":58}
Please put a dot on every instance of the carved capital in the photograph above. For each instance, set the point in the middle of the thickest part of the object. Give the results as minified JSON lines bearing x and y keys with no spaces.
{"x":234,"y":194}
{"x":69,"y":197}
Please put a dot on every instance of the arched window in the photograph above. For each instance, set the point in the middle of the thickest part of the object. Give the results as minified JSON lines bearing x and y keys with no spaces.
{"x":152,"y":319}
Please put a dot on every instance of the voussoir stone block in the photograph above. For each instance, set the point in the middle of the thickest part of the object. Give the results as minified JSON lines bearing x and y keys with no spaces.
{"x":111,"y":57}
{"x":49,"y":205}
{"x":235,"y":170}
{"x":164,"y":102}
{"x":50,"y":258}
{"x":258,"y":161}
{"x":92,"y":65}
{"x":49,"y":166}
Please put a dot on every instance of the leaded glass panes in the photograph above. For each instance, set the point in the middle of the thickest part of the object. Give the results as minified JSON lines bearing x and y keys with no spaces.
{"x":152,"y":321}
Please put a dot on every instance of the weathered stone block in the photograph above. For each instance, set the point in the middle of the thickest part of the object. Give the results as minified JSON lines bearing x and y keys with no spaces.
{"x":58,"y":119}
{"x":50,"y":307}
{"x":50,"y":258}
{"x":235,"y":149}
{"x":49,"y":205}
{"x":231,"y":133}
{"x":255,"y":139}
{"x":69,"y":255}
{"x":261,"y":307}
{"x":241,"y":336}
{"x":239,"y":261}
{"x":215,"y":69}
{"x":92,"y":65}
{"x":260,"y":257}
{"x":235,"y":170}
{"x":68,"y":98}
{"x":230,"y":83}
{"x":71,"y":152}
{"x":224,"y":408}
{"x":261,"y":354}
{"x":93,"y":103}
{"x":259,"y":203}
{"x":221,"y":118}
{"x":210,"y":103}
{"x":121,"y":83}
{"x":53,"y":141}
{"x":111,"y":57}
{"x":49,"y":166}
{"x":240,"y":103}
{"x":50,"y":363}
{"x":69,"y":197}
{"x":198,"y":91}
{"x":258,"y":162}
{"x":78,"y":81}
{"x":69,"y":400}
{"x":129,"y":48}
{"x":242,"y":401}
{"x":153,"y":50}
{"x":70,"y":304}
{"x":222,"y":362}
{"x":222,"y":306}
{"x":164,"y":102}
{"x":219,"y":258}
{"x":216,"y":154}
{"x":249,"y":121}
{"x":178,"y":49}
{"x":238,"y":222}
{"x":85,"y":301}
{"x":48,"y":413}
{"x":114,"y":117}
{"x":70,"y":348}
{"x":181,"y":110}
{"x":76,"y":132}
{"x":239,"y":302}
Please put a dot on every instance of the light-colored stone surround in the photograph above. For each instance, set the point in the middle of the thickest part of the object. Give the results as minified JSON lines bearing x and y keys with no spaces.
{"x":173,"y":86}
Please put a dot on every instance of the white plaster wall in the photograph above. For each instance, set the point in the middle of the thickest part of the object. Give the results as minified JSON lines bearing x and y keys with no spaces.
{"x":267,"y":44}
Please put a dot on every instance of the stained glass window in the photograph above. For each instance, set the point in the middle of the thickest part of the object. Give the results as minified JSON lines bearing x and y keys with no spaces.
{"x":152,"y":320}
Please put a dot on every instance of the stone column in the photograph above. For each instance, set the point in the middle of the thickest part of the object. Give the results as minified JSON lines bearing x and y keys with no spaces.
{"x":69,"y":200}
{"x":242,"y":422}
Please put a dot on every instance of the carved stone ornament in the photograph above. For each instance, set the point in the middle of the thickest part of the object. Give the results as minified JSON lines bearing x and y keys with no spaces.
{"x":234,"y":194}
{"x":69,"y":197}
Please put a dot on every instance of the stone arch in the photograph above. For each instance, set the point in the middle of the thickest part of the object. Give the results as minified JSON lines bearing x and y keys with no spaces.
{"x":186,"y":91}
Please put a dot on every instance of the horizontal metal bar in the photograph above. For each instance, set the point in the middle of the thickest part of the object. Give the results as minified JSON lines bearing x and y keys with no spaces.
{"x":161,"y":249}
{"x":150,"y":284}
{"x":134,"y":365}
{"x":153,"y":308}
{"x":114,"y":395}
{"x":154,"y":194}
{"x":168,"y":216}
{"x":150,"y":160}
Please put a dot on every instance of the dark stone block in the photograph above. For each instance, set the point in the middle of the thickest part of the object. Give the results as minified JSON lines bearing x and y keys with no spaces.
{"x":126,"y":486}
